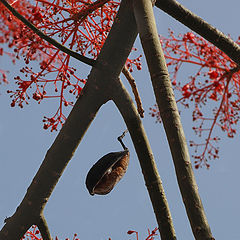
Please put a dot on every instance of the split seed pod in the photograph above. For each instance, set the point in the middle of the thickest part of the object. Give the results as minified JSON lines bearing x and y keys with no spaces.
{"x":107,"y":172}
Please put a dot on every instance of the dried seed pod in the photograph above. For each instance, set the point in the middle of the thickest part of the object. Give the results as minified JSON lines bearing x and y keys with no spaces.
{"x":107,"y":172}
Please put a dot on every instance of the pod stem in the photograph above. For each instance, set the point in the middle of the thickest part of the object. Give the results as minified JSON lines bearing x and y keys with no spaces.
{"x":120,"y":139}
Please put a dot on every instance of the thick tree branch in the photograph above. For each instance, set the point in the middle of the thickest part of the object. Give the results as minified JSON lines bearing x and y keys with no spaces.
{"x":50,"y":40}
{"x":198,"y":25}
{"x":99,"y":88}
{"x":43,"y":228}
{"x":171,"y":119}
{"x":149,"y":169}
{"x":95,"y":93}
{"x":55,"y":161}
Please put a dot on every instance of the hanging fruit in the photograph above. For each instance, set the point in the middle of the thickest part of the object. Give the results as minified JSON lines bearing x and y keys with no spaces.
{"x":108,"y":171}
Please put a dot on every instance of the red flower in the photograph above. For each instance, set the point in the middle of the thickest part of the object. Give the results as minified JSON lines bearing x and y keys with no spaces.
{"x":213,"y":74}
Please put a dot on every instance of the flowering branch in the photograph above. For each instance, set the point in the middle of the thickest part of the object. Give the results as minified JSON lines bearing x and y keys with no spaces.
{"x":151,"y":235}
{"x":50,"y":40}
{"x":97,"y":91}
{"x":194,"y":22}
{"x":216,"y":79}
{"x":82,"y":25}
{"x":201,"y":159}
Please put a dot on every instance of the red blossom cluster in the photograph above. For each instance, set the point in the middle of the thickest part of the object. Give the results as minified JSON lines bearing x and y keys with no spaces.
{"x":7,"y":33}
{"x":3,"y":73}
{"x":82,"y":26}
{"x":151,"y":234}
{"x":130,"y":63}
{"x":74,"y":237}
{"x":3,"y":76}
{"x":34,"y":234}
{"x":212,"y":91}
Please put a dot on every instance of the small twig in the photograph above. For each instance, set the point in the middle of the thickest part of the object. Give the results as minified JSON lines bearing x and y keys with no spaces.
{"x":133,"y":85}
{"x":120,"y":139}
{"x":50,"y":40}
{"x":43,"y":228}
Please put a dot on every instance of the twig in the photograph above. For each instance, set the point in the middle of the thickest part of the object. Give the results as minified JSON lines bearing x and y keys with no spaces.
{"x":120,"y":139}
{"x":133,"y":85}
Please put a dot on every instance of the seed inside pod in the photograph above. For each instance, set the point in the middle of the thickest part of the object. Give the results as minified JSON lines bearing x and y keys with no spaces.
{"x":107,"y":172}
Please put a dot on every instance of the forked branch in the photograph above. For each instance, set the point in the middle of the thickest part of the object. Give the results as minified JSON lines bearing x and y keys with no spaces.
{"x":98,"y":90}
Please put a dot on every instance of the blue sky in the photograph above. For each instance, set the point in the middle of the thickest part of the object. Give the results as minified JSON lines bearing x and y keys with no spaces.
{"x":23,"y":145}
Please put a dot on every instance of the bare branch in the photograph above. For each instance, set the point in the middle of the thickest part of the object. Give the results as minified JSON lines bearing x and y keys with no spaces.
{"x":43,"y":228}
{"x":133,"y":85}
{"x":171,"y":119}
{"x":149,"y":169}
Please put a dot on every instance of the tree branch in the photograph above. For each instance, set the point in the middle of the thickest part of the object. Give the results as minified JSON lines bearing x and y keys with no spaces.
{"x":198,"y":25}
{"x":50,"y":40}
{"x":152,"y":178}
{"x":98,"y":90}
{"x":94,"y":94}
{"x":133,"y":85}
{"x":43,"y":228}
{"x":169,"y":113}
{"x":56,"y":159}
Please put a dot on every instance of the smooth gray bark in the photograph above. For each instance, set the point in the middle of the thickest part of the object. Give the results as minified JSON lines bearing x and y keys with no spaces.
{"x":171,"y":119}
